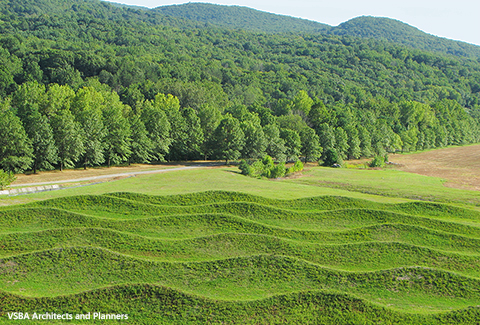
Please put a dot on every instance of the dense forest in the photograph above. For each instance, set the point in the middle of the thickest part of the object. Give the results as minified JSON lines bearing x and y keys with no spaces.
{"x":86,"y":83}
{"x":366,"y":27}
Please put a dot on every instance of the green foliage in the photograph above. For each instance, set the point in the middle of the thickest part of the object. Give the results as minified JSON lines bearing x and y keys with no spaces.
{"x":297,"y":167}
{"x":275,"y":145}
{"x":43,"y":143}
{"x":293,"y":144}
{"x":378,"y":161}
{"x":332,"y":158}
{"x":229,"y":139}
{"x":236,"y":17}
{"x":87,"y":106}
{"x":141,"y":145}
{"x":255,"y":141}
{"x":245,"y":168}
{"x":311,"y":148}
{"x":6,"y":178}
{"x":15,"y":147}
{"x":264,"y":167}
{"x":158,"y":129}
{"x":117,"y":139}
{"x":68,"y":139}
{"x":278,"y":170}
{"x":341,"y":143}
{"x":401,"y":33}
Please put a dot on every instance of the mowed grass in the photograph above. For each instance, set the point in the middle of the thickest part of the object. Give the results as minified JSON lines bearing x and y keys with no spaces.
{"x":389,"y":183}
{"x":385,"y":186}
{"x":198,"y":180}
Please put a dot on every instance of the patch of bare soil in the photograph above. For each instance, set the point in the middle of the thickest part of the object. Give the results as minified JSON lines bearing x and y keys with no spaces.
{"x":459,"y":166}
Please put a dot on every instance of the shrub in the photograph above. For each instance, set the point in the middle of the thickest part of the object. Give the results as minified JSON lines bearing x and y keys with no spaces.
{"x":332,"y":158}
{"x":297,"y":167}
{"x":378,"y":161}
{"x":278,"y":170}
{"x":245,"y":167}
{"x":6,"y":178}
{"x":268,"y":162}
{"x":263,"y":168}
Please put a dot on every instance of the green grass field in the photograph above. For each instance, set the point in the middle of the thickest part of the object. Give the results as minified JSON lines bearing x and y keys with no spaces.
{"x":209,"y":246}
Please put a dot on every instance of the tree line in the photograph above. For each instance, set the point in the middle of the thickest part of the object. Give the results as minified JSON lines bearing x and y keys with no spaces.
{"x":45,"y":127}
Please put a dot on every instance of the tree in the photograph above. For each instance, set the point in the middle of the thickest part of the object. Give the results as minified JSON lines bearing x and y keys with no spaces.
{"x":319,"y":114}
{"x":210,"y":117}
{"x":40,"y":134}
{"x":255,"y":141}
{"x":354,"y":151}
{"x":365,"y":142}
{"x":28,"y":97}
{"x":311,"y":148}
{"x":87,"y":107}
{"x":326,"y":134}
{"x":15,"y":147}
{"x":302,"y":102}
{"x":27,"y":100}
{"x":117,"y":139}
{"x":332,"y":158}
{"x":178,"y":130}
{"x":409,"y":139}
{"x":341,"y":143}
{"x":6,"y":178}
{"x":141,"y":145}
{"x":158,"y":129}
{"x":229,"y":139}
{"x":293,"y":144}
{"x":57,"y":98}
{"x":194,"y":134}
{"x":68,"y":140}
{"x":275,"y":146}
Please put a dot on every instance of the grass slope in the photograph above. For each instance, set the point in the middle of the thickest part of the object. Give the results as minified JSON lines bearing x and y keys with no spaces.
{"x":168,"y":306}
{"x":239,"y":255}
{"x":74,"y":270}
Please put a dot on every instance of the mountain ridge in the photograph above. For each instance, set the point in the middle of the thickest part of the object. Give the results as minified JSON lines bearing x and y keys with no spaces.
{"x":392,"y":30}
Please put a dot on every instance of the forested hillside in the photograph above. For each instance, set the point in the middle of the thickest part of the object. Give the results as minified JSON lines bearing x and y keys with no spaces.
{"x":84,"y":83}
{"x":242,"y":18}
{"x":398,"y":32}
{"x":366,"y":27}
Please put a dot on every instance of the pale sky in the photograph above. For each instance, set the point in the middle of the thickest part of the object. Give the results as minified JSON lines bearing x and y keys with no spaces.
{"x":456,"y":20}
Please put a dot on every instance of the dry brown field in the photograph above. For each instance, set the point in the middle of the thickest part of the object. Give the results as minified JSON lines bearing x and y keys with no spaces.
{"x":459,"y":166}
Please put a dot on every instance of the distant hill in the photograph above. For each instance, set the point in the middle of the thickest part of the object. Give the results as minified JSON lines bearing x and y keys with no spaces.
{"x":398,"y":32}
{"x":366,"y":27}
{"x":243,"y":18}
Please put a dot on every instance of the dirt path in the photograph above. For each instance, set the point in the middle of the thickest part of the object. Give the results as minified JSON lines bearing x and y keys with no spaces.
{"x":78,"y":175}
{"x":94,"y":178}
{"x":460,"y":166}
